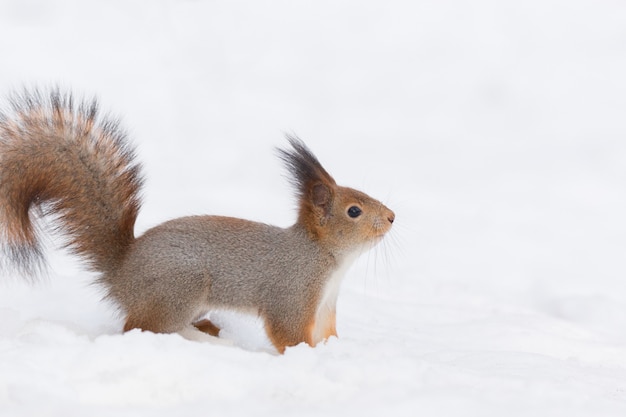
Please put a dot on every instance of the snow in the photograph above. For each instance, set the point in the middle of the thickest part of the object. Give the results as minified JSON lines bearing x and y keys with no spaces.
{"x":494,"y":129}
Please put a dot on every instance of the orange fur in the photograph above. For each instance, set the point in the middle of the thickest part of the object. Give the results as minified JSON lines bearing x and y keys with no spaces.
{"x":207,"y":326}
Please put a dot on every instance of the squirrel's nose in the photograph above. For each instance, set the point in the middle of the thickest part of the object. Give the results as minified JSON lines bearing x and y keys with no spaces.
{"x":391,"y":216}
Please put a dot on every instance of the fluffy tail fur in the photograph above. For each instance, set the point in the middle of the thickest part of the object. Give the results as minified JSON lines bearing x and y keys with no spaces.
{"x":60,"y":158}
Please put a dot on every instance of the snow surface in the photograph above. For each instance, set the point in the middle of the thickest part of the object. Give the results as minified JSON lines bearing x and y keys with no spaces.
{"x":496,"y":130}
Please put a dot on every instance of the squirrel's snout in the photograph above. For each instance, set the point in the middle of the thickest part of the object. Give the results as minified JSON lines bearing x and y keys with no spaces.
{"x":391,"y":216}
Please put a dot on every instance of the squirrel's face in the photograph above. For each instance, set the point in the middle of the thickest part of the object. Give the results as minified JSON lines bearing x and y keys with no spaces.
{"x":351,"y":218}
{"x":340,"y":218}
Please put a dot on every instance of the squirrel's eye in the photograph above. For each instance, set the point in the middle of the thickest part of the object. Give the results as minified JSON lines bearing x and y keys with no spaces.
{"x":354,"y":212}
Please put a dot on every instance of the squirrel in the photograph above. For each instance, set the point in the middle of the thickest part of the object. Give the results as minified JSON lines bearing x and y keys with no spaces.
{"x":60,"y":157}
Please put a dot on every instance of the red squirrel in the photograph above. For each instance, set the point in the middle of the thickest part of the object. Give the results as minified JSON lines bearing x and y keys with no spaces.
{"x":62,"y":158}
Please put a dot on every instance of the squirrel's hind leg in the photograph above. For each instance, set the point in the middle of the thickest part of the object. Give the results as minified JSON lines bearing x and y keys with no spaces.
{"x":207,"y":326}
{"x":193,"y":333}
{"x":202,"y":331}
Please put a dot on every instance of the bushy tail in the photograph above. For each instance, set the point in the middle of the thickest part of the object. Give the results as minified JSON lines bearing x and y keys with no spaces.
{"x":61,"y":158}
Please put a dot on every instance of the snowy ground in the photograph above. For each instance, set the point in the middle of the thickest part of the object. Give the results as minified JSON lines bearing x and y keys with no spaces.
{"x":495,"y":129}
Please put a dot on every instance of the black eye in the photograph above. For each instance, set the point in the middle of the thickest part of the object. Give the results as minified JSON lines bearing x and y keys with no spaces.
{"x":354,"y":212}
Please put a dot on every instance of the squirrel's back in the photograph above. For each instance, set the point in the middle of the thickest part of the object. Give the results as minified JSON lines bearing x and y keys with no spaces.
{"x":61,"y":158}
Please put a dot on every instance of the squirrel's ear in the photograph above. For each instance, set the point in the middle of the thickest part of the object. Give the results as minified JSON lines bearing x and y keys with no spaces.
{"x":322,"y":197}
{"x":315,"y":187}
{"x":306,"y":172}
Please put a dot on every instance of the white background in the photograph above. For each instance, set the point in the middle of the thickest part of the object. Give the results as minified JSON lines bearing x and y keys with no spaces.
{"x":495,"y":130}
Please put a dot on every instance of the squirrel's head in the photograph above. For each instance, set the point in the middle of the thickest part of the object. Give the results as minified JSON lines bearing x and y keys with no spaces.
{"x":339,"y":217}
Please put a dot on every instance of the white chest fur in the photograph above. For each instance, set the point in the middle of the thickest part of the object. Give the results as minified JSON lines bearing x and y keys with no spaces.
{"x":326,"y":309}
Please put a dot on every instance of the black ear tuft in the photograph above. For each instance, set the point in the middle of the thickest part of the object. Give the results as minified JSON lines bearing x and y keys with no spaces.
{"x":306,"y":171}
